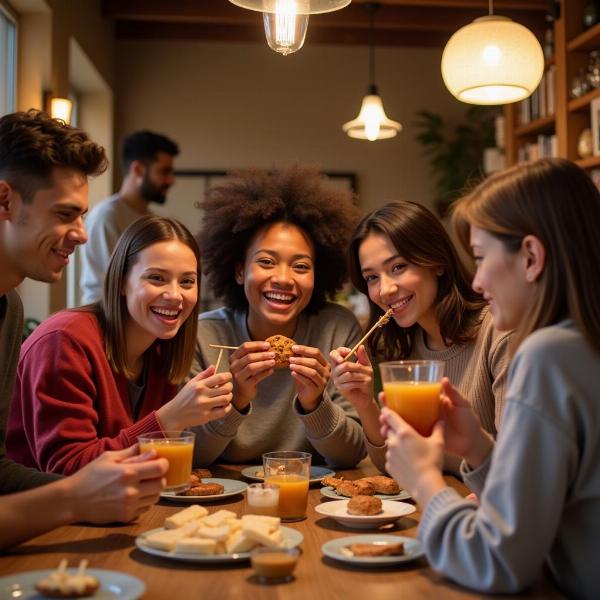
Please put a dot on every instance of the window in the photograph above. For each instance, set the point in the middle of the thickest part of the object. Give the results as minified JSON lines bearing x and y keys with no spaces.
{"x":8,"y":62}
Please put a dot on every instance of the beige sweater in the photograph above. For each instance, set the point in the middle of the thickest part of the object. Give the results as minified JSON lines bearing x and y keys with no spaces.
{"x":477,"y":369}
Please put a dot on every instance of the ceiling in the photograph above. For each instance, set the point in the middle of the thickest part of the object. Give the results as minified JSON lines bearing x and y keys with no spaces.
{"x":427,"y":23}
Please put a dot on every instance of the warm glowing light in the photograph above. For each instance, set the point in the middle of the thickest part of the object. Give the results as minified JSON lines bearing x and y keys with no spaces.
{"x":60,"y":108}
{"x":372,"y":123}
{"x":493,"y":60}
{"x":285,"y":28}
{"x":303,"y":7}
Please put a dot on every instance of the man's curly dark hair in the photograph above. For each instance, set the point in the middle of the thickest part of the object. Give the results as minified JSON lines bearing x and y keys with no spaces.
{"x":247,"y":201}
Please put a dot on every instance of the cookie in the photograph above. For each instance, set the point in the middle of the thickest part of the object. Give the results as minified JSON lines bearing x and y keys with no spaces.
{"x":282,"y":346}
{"x":364,"y":505}
{"x":383,"y":484}
{"x":198,"y":474}
{"x":205,"y":489}
{"x":355,"y":488}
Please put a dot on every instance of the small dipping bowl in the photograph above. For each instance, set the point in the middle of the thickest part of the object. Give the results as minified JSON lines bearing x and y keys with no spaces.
{"x":274,"y":565}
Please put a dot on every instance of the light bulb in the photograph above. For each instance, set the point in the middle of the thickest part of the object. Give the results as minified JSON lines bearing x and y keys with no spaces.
{"x":372,"y":123}
{"x":285,"y":28}
{"x":60,"y":108}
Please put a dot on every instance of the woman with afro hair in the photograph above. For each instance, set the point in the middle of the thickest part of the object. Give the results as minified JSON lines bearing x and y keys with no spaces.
{"x":273,"y":249}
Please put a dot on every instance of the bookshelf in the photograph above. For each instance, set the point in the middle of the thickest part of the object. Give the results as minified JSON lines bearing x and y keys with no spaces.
{"x":553,"y":121}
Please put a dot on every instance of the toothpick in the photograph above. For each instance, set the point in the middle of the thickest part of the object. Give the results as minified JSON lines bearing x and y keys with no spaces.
{"x":62,"y":566}
{"x":219,"y":360}
{"x":82,"y":566}
{"x":219,"y":347}
{"x":380,"y":323}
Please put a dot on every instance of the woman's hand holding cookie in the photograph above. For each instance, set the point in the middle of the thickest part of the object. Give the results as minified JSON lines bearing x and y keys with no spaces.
{"x":311,"y":372}
{"x":353,"y":379}
{"x":249,"y":365}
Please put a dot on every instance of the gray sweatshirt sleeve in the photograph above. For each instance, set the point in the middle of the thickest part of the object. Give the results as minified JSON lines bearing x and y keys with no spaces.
{"x":500,"y":546}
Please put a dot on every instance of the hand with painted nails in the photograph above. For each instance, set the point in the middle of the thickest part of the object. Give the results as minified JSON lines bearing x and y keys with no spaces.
{"x":250,"y":364}
{"x":311,"y":372}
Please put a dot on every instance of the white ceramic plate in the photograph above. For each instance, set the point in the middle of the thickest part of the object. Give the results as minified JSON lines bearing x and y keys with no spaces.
{"x":330,"y":492}
{"x":113,"y":585}
{"x":338,"y":510}
{"x":316,"y":473}
{"x":337,"y":549}
{"x":232,"y":487}
{"x":291,"y":537}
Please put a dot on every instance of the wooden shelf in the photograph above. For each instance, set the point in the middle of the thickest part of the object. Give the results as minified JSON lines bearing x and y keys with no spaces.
{"x":588,"y":40}
{"x":549,"y":62}
{"x":583,"y":103}
{"x":543,"y":125}
{"x":588,"y":163}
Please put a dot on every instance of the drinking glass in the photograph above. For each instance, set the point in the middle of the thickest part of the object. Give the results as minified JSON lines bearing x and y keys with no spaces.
{"x":263,"y":499}
{"x":290,"y":470}
{"x":178,"y":448}
{"x":412,"y":389}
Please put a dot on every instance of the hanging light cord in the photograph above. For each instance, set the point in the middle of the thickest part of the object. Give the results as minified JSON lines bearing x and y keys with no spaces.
{"x":491,"y":7}
{"x":373,"y":6}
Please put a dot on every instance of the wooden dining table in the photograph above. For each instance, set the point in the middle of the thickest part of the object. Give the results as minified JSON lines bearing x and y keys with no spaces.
{"x":316,"y":576}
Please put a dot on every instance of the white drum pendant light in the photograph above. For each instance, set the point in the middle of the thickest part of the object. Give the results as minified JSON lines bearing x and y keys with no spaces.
{"x":493,"y":60}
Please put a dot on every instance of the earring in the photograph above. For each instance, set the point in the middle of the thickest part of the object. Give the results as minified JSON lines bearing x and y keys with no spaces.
{"x":529,"y":277}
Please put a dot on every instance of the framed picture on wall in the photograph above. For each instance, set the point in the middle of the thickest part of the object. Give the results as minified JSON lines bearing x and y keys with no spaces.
{"x":595,"y":121}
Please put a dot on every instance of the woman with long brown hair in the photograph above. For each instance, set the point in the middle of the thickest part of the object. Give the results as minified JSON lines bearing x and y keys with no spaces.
{"x":93,"y":379}
{"x":533,"y":231}
{"x":402,"y":258}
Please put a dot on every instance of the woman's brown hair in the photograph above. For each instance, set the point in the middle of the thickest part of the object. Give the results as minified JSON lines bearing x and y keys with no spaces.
{"x":556,"y":201}
{"x":176,"y":353}
{"x":420,"y":239}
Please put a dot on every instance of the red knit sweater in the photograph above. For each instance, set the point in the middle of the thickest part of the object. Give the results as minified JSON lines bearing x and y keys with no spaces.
{"x":68,"y":405}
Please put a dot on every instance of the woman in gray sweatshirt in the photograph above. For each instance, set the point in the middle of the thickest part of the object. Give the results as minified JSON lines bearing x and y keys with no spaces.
{"x":533,"y":231}
{"x":273,"y":249}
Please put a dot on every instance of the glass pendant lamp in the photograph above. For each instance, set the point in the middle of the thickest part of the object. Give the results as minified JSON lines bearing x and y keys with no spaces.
{"x":372,"y":123}
{"x":493,"y":60}
{"x":286,"y":21}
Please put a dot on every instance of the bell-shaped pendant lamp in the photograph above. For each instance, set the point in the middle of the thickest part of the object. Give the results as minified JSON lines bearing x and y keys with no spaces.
{"x":493,"y":60}
{"x":286,"y":21}
{"x":372,"y":123}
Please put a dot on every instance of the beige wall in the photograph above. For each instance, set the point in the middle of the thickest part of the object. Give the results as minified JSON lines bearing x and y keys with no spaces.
{"x":242,"y":105}
{"x":47,"y":61}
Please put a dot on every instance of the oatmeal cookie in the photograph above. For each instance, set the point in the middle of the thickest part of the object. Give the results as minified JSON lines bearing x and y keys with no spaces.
{"x":282,"y":346}
{"x":364,"y":505}
{"x":198,"y":474}
{"x":205,"y":489}
{"x":383,"y":484}
{"x":355,"y":488}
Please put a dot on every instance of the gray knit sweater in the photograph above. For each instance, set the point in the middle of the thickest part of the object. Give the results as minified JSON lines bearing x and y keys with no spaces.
{"x":540,"y":490}
{"x":275,"y":421}
{"x":13,"y":476}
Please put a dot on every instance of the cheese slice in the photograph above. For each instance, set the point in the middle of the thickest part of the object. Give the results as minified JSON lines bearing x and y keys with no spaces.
{"x":219,"y":534}
{"x":218,"y":518}
{"x":194,"y":545}
{"x":195,"y":511}
{"x":165,"y":539}
{"x":271,"y":522}
{"x":238,"y":542}
{"x":260,"y":534}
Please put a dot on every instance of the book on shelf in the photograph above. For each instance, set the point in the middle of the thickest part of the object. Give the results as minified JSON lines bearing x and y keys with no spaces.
{"x":542,"y":103}
{"x":545,"y":146}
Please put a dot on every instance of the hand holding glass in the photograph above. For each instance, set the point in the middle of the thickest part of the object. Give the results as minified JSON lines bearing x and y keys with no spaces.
{"x":412,"y":389}
{"x":178,"y":448}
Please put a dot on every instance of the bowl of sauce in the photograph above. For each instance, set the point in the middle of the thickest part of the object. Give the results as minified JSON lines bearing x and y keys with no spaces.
{"x":274,"y":565}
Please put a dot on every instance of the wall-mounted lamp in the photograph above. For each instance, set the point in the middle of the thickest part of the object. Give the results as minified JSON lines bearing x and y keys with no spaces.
{"x":59,"y":108}
{"x":286,"y":21}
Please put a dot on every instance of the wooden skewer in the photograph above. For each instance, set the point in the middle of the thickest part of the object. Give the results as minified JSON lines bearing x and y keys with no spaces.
{"x":380,"y":322}
{"x":219,"y":360}
{"x":219,"y":347}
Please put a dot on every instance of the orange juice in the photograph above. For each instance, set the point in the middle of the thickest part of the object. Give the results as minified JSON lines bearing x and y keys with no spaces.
{"x":179,"y":454}
{"x":293,"y":495}
{"x":418,"y":403}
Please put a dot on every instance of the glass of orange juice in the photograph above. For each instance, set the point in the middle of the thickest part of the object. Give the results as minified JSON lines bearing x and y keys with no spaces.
{"x":412,"y":389}
{"x":290,"y":470}
{"x":178,"y":448}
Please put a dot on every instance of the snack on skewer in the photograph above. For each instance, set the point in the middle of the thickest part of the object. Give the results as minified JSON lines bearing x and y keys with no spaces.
{"x":60,"y":584}
{"x":380,"y":323}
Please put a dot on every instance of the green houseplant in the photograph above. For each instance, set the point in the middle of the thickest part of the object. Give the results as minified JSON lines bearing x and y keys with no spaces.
{"x":456,"y":157}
